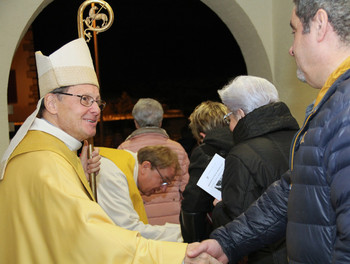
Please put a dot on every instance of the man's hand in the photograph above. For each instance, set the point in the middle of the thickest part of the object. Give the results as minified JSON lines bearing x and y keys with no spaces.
{"x":209,"y":246}
{"x":90,"y":165}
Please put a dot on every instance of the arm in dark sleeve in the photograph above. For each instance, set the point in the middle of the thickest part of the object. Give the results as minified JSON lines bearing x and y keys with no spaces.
{"x":196,"y":199}
{"x":219,"y":215}
{"x":337,"y":157}
{"x":236,"y":193}
{"x":196,"y":203}
{"x":263,"y":223}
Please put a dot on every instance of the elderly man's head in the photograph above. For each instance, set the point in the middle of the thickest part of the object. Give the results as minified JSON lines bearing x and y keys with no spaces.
{"x":69,"y":89}
{"x":68,"y":70}
{"x":75,"y":109}
{"x":158,"y":166}
{"x":148,"y":112}
{"x":244,"y":94}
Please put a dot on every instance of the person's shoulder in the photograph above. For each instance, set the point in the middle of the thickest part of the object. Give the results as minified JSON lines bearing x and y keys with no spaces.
{"x":133,"y":153}
{"x":133,"y":144}
{"x":37,"y":156}
{"x":124,"y":144}
{"x":201,"y":155}
{"x":175,"y":143}
{"x":149,"y":136}
{"x":176,"y":146}
{"x":109,"y":171}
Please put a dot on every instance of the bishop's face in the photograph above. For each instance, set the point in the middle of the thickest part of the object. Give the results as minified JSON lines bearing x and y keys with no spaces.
{"x":78,"y":120}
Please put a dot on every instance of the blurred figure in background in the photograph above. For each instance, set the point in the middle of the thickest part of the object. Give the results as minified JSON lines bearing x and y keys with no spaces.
{"x":213,"y":136}
{"x":148,"y":116}
{"x":263,"y":129}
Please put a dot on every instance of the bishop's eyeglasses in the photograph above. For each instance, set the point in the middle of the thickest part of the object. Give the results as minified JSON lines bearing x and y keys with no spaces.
{"x":86,"y":100}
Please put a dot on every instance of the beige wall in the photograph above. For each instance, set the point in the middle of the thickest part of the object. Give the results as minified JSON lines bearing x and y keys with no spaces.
{"x":295,"y":93}
{"x":261,"y":29}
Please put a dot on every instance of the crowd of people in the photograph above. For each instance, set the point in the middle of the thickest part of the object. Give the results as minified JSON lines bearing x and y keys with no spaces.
{"x":284,"y":189}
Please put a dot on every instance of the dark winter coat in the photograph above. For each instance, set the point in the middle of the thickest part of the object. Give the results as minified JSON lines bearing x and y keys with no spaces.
{"x":260,"y":156}
{"x":316,"y":190}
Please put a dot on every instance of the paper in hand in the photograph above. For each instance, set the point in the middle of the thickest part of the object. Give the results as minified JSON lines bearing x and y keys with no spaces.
{"x":211,"y":179}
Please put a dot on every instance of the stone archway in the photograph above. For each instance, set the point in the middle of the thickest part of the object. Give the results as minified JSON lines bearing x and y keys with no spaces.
{"x":15,"y":18}
{"x":245,"y":34}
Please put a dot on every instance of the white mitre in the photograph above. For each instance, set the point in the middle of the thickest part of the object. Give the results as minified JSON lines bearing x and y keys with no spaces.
{"x":69,"y":65}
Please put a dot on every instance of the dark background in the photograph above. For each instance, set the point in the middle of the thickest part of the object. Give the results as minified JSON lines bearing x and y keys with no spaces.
{"x":178,"y":52}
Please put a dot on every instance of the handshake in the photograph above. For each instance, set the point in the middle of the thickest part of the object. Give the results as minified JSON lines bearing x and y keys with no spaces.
{"x":207,"y":252}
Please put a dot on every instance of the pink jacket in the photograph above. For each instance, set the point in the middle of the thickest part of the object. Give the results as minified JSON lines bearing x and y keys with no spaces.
{"x":161,"y":207}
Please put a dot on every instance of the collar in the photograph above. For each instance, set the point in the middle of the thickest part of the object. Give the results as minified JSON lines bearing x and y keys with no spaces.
{"x":144,"y":130}
{"x":344,"y":66}
{"x":264,"y":120}
{"x":44,"y":126}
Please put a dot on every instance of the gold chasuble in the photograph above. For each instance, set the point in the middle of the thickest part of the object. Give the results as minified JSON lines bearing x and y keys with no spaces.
{"x":48,"y":215}
{"x":40,"y":141}
{"x":126,"y":163}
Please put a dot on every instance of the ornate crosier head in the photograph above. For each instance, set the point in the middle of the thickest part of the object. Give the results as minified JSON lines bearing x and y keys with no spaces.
{"x":96,"y":20}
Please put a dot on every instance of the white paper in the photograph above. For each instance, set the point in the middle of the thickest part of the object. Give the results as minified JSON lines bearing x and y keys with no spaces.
{"x":210,"y":181}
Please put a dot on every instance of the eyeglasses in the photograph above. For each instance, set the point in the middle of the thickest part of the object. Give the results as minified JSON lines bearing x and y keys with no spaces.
{"x":227,"y":118}
{"x":164,"y":181}
{"x":86,"y":100}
